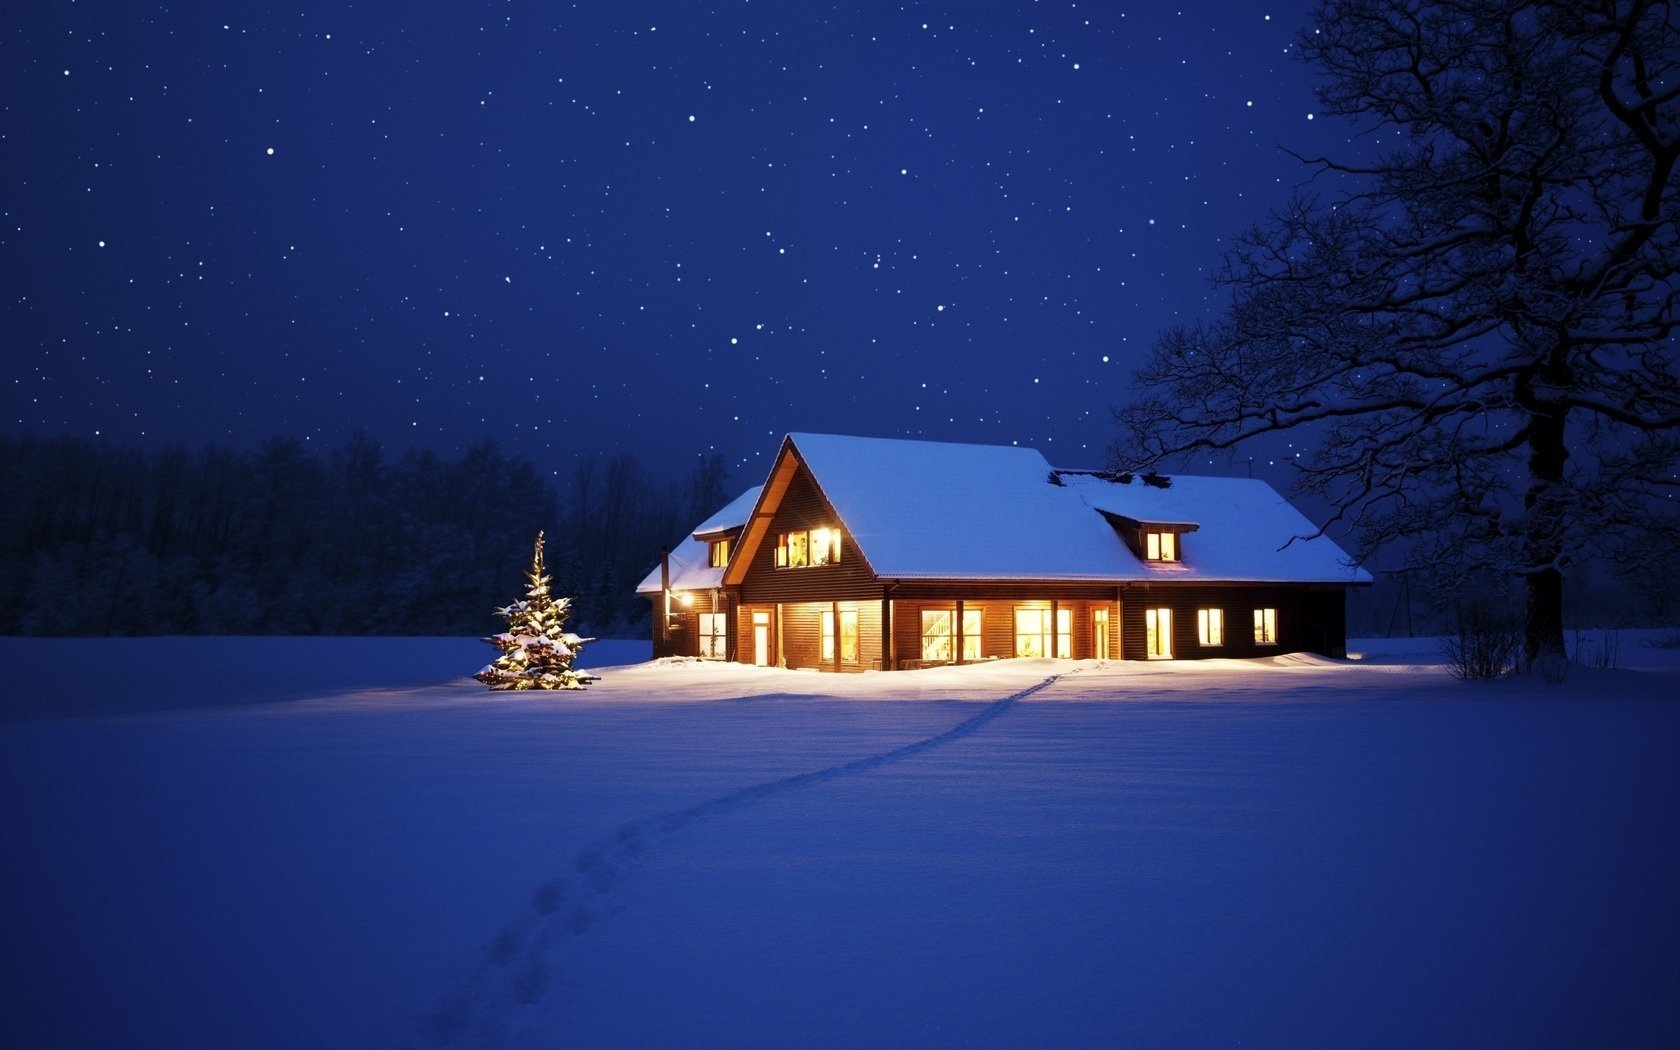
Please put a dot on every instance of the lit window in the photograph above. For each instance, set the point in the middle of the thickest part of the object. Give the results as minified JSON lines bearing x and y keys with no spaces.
{"x":807,"y":547}
{"x":937,"y":635}
{"x":1210,"y":626}
{"x":713,"y":645}
{"x":1033,"y":633}
{"x":1160,"y":546}
{"x":719,"y":553}
{"x":1157,"y":633}
{"x":938,"y":642}
{"x":848,"y":636}
{"x":1099,"y":634}
{"x":1265,"y":627}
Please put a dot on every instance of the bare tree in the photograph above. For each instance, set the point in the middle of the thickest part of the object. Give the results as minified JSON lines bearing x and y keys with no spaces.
{"x":1477,"y":328}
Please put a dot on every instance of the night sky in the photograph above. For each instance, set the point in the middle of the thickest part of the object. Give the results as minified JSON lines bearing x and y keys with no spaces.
{"x":623,"y":227}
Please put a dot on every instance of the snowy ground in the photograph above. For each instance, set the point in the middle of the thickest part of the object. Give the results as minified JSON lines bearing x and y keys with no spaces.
{"x":1275,"y":853}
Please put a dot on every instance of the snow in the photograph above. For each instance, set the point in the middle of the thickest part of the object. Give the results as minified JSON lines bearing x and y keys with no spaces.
{"x":935,"y":510}
{"x":1291,"y":851}
{"x":691,"y":568}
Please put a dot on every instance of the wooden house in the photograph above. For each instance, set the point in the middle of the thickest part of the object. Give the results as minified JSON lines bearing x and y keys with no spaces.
{"x":874,"y":553}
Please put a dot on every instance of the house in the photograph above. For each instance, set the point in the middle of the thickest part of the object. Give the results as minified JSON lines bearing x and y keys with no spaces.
{"x":861,"y":553}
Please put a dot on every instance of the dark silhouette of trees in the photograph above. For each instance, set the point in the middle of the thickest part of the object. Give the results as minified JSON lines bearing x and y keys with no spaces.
{"x":1476,"y":328}
{"x":95,"y":540}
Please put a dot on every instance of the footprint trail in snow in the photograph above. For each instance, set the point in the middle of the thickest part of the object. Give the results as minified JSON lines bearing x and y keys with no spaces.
{"x":522,"y":960}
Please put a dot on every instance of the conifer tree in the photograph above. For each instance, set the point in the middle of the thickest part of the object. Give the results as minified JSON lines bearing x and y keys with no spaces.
{"x":536,"y":651}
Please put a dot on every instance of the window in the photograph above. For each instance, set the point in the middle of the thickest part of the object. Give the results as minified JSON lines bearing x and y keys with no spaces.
{"x":938,"y":639}
{"x":719,"y":553}
{"x":848,"y":636}
{"x":807,"y":547}
{"x":1210,"y":626}
{"x":1160,"y":546}
{"x":713,"y":644}
{"x":1099,"y":634}
{"x":1033,"y":633}
{"x":1265,"y":627}
{"x":1157,"y":633}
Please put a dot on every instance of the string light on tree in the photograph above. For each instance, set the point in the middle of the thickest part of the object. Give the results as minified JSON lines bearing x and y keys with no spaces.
{"x":536,"y":651}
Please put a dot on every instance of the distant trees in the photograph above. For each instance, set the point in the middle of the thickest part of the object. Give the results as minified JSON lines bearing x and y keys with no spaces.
{"x":1478,"y":330}
{"x":284,"y":540}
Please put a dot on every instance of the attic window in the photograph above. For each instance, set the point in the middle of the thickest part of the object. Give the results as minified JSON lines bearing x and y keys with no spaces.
{"x":719,"y":554}
{"x":797,"y":550}
{"x":1160,"y":546}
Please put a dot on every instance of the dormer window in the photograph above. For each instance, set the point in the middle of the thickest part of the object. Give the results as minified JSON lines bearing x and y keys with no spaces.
{"x":719,"y":554}
{"x":796,"y":550}
{"x":1160,"y":546}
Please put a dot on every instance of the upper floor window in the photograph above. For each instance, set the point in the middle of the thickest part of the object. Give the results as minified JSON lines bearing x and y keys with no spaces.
{"x":719,"y":554}
{"x":807,"y":547}
{"x":1160,"y":546}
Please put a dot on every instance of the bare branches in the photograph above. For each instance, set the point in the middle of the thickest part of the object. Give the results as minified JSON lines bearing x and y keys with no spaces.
{"x":1477,"y":333}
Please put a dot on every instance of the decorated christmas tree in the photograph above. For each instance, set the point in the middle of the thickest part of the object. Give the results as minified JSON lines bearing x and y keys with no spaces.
{"x":536,"y":651}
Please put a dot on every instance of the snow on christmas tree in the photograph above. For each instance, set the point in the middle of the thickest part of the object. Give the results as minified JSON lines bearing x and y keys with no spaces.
{"x":536,"y":650}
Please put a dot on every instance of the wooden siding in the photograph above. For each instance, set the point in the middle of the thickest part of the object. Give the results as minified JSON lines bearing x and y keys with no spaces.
{"x":682,"y":633}
{"x":1309,"y":619}
{"x":802,"y":506}
{"x":997,"y":624}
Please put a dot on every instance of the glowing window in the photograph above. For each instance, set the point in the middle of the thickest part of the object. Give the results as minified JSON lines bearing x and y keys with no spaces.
{"x":1157,"y":633}
{"x":713,"y":643}
{"x":938,"y":641}
{"x":719,"y":553}
{"x":1033,"y":635}
{"x":807,"y":547}
{"x":1160,"y":546}
{"x":1265,"y":627}
{"x":1210,"y":626}
{"x":1099,"y":634}
{"x":848,"y":636}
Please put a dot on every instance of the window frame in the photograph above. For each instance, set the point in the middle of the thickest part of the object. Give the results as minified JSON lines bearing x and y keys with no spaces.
{"x":1160,"y":545}
{"x":717,"y":639}
{"x":1161,"y":633}
{"x":1265,"y":625}
{"x":795,"y":548}
{"x":717,"y":553}
{"x":1210,"y":627}
{"x":1059,"y":633}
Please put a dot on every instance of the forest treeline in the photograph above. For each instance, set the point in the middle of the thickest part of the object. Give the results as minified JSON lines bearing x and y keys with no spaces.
{"x":284,"y":540}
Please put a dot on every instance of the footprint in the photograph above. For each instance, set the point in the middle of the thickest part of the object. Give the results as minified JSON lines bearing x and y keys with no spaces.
{"x":548,"y":897}
{"x":531,"y":982}
{"x":502,"y":947}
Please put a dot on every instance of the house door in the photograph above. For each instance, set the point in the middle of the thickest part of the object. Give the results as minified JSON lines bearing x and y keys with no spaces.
{"x":1099,"y":634}
{"x":1157,"y":633}
{"x":761,"y":639}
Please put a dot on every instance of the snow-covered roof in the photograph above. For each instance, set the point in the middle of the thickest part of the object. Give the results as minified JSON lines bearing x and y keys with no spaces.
{"x":732,"y":516}
{"x":936,"y":510}
{"x":691,"y":568}
{"x":1245,"y":531}
{"x":932,"y":510}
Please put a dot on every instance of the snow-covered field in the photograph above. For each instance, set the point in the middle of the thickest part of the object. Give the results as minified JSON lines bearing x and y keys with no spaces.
{"x":341,"y":842}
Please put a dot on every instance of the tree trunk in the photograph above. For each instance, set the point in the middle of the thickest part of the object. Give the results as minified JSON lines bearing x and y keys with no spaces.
{"x":1543,"y":536}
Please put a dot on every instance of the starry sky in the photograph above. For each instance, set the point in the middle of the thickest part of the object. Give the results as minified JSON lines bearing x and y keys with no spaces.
{"x":657,"y":228}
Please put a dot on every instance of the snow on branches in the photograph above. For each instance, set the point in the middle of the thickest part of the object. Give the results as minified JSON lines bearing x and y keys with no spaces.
{"x":536,"y":651}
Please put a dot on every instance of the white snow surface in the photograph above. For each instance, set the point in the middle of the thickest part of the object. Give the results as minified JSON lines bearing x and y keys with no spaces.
{"x":1281,"y":852}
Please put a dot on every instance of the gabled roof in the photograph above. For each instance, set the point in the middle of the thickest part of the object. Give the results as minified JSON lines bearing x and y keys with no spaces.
{"x":933,"y":510}
{"x":691,"y":568}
